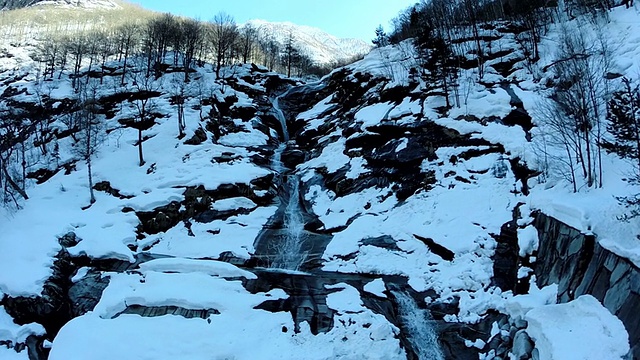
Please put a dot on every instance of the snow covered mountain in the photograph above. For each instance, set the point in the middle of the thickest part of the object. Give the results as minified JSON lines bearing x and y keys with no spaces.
{"x":322,"y":47}
{"x":84,"y":4}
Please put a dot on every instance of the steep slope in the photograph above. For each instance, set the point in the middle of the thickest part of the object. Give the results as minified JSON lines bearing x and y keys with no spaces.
{"x":356,"y":217}
{"x":323,"y":48}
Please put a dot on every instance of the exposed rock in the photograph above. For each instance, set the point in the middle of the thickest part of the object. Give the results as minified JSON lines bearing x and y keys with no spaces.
{"x":105,"y":186}
{"x":522,"y":346}
{"x":436,"y":248}
{"x":385,"y":242}
{"x":199,"y":136}
{"x":580,"y":265}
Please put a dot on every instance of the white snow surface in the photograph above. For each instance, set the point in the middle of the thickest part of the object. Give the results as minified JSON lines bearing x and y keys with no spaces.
{"x":581,"y":329}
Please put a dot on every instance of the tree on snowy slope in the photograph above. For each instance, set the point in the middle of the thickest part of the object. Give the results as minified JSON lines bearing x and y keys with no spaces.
{"x":623,"y":118}
{"x":381,"y":37}
{"x":90,"y":126}
{"x":579,"y":98}
{"x":146,"y":89}
{"x":440,"y":67}
{"x":290,"y":55}
{"x":14,"y":132}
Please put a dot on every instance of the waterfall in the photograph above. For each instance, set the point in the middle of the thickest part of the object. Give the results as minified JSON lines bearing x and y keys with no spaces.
{"x":289,"y":253}
{"x":276,"y":163}
{"x":419,"y":326}
{"x":280,"y":116}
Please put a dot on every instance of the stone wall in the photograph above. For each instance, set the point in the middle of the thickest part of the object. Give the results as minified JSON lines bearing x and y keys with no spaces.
{"x":579,"y":265}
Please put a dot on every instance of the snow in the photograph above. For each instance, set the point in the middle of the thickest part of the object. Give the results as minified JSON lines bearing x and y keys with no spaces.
{"x":322,"y":47}
{"x":555,"y":329}
{"x":16,"y":334}
{"x":527,"y":240}
{"x":208,"y":267}
{"x":10,"y":354}
{"x":56,"y":207}
{"x":462,"y":212}
{"x":376,"y":287}
{"x":238,"y":332}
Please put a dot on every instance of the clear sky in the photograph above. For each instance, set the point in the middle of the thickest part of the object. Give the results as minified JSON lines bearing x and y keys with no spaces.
{"x":341,"y":18}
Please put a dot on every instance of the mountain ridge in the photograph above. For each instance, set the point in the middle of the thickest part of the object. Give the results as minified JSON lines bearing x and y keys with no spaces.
{"x":321,"y":46}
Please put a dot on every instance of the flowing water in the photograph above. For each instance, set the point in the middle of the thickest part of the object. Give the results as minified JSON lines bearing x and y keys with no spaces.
{"x":280,"y":116}
{"x":419,"y":325}
{"x":290,"y":254}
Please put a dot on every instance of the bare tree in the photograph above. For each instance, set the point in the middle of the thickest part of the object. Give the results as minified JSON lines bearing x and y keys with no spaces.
{"x":128,"y":39}
{"x":248,"y":39}
{"x":90,"y":127}
{"x":146,"y":89}
{"x":224,"y":33}
{"x":178,"y":97}
{"x":193,"y":33}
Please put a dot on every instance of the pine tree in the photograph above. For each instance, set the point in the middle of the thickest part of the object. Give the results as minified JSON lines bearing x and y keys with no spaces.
{"x":439,"y":62}
{"x":381,"y":37}
{"x":624,"y":123}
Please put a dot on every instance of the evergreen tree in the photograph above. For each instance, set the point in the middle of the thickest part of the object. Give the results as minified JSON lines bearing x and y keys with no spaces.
{"x":624,"y":123}
{"x":381,"y":37}
{"x":438,"y":60}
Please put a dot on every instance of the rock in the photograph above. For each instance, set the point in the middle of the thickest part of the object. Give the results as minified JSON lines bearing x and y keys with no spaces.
{"x":522,"y":346}
{"x":293,"y":157}
{"x":385,"y":242}
{"x":198,"y":137}
{"x":69,"y":240}
{"x":85,"y":293}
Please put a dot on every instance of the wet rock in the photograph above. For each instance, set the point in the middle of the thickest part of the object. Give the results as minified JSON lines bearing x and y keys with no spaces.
{"x":85,"y":294}
{"x":293,"y":157}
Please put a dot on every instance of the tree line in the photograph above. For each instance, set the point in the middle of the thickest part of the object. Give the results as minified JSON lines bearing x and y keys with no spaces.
{"x":132,"y":58}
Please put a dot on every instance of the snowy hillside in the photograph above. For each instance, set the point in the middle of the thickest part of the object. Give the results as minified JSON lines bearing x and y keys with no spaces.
{"x":84,"y":4}
{"x":246,"y":215}
{"x":323,"y":48}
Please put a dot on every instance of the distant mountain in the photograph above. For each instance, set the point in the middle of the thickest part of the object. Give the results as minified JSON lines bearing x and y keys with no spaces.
{"x":87,"y":4}
{"x":322,"y":47}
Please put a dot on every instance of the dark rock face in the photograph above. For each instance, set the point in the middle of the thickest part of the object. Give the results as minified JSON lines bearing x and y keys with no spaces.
{"x":579,"y":265}
{"x":61,"y":299}
{"x":505,"y":259}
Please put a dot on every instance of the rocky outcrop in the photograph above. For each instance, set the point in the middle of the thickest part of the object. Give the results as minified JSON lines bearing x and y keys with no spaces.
{"x":580,"y":265}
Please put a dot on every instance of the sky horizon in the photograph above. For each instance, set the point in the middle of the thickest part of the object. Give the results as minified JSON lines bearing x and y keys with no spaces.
{"x":341,"y":18}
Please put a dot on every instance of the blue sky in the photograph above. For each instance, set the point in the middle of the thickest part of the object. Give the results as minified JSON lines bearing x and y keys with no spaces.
{"x":342,"y":18}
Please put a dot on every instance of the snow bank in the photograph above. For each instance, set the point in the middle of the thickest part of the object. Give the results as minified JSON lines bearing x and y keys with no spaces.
{"x":14,"y":333}
{"x":581,"y":329}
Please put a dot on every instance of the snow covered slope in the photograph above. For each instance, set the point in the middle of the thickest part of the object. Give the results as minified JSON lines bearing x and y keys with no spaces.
{"x":320,"y":46}
{"x":401,"y":204}
{"x":85,"y":4}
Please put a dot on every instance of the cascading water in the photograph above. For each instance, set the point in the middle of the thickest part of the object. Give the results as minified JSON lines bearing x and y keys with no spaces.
{"x":290,"y":254}
{"x":419,"y":325}
{"x":280,"y":116}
